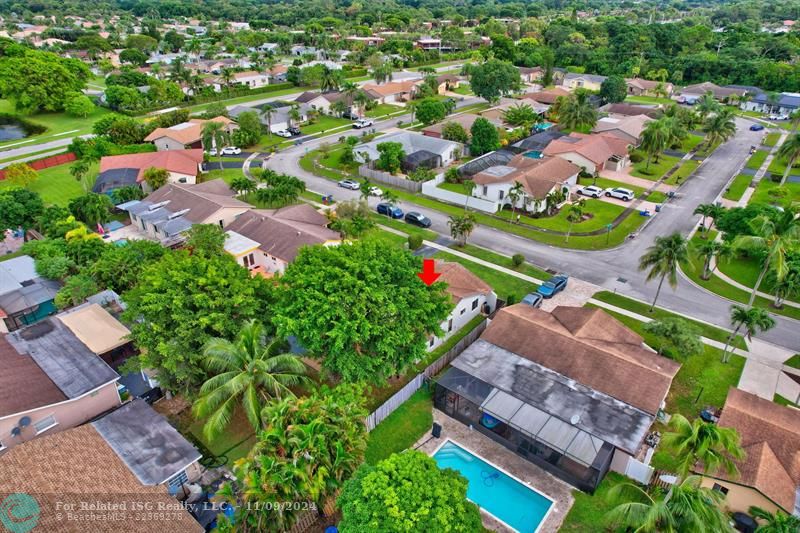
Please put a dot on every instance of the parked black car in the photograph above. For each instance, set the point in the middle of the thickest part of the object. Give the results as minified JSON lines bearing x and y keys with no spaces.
{"x":418,"y":219}
{"x":294,"y":130}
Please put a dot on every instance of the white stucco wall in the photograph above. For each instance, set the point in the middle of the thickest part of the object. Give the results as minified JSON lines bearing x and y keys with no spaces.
{"x":461,"y":314}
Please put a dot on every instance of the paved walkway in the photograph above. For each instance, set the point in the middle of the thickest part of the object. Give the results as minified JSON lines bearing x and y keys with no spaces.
{"x":763,"y":169}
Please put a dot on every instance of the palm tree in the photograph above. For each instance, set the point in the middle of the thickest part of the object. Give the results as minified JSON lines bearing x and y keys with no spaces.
{"x":707,"y":105}
{"x":708,"y":211}
{"x":710,"y":251}
{"x":752,"y":319}
{"x":461,"y":226}
{"x":267,"y":113}
{"x":720,"y":127}
{"x":514,"y":194}
{"x":469,"y":189}
{"x":339,"y":107}
{"x":79,"y":169}
{"x":350,"y":90}
{"x":687,"y":507}
{"x":574,"y":214}
{"x":779,"y":522}
{"x":361,"y":99}
{"x":248,"y":371}
{"x":663,"y":259}
{"x":390,"y":197}
{"x":227,"y":77}
{"x":790,"y":151}
{"x":294,"y":115}
{"x":654,"y":140}
{"x":365,"y":188}
{"x":577,"y":112}
{"x":699,"y":441}
{"x":794,"y":120}
{"x":774,"y":236}
{"x":216,"y":134}
{"x":788,"y":287}
{"x":329,"y":79}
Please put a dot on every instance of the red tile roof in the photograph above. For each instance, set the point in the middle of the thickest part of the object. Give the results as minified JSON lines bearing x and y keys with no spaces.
{"x":179,"y":161}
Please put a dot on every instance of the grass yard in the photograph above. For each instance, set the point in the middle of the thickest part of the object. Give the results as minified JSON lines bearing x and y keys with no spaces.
{"x":651,"y":100}
{"x":780,"y":400}
{"x":762,"y":193}
{"x":502,"y":283}
{"x":736,"y":189}
{"x":402,"y":428}
{"x":683,"y":172}
{"x":606,"y":183}
{"x":404,"y":227}
{"x":706,"y":330}
{"x":463,"y":89}
{"x":771,"y":139}
{"x":57,"y":186}
{"x":227,"y":174}
{"x":690,"y":142}
{"x":501,"y":260}
{"x":56,"y":123}
{"x":793,"y":361}
{"x":717,"y":285}
{"x":603,"y":213}
{"x":383,"y":109}
{"x":588,"y":512}
{"x":656,"y":170}
{"x":757,"y":159}
{"x":234,"y":442}
{"x":459,"y":188}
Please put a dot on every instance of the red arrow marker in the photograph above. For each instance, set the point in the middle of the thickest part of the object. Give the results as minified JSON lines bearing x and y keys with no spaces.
{"x":428,"y":274}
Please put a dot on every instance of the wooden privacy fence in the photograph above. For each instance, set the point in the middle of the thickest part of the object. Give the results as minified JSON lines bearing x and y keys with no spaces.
{"x":47,"y":162}
{"x":398,"y":398}
{"x":387,"y":179}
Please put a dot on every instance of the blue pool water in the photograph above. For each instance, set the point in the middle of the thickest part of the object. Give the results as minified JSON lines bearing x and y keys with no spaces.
{"x":542,"y":126}
{"x":534,"y":154}
{"x":504,"y":497}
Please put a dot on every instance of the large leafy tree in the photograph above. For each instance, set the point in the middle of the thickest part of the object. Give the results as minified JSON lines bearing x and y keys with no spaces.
{"x":485,"y":138}
{"x":613,"y":89}
{"x":752,"y":319}
{"x":700,"y":443}
{"x":19,"y":208}
{"x":360,"y":308}
{"x":494,"y":79}
{"x":430,"y":110}
{"x":182,"y":301}
{"x":687,"y":507}
{"x":391,"y":156}
{"x":41,"y":81}
{"x":21,"y":175}
{"x":247,"y":371}
{"x":663,"y":259}
{"x":91,"y":209}
{"x":522,"y":115}
{"x":676,"y":336}
{"x":407,"y":492}
{"x":310,"y":446}
{"x":118,"y":268}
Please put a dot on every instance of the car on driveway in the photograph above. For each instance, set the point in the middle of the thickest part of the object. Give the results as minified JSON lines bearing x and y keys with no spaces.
{"x":389,"y":210}
{"x":621,"y":193}
{"x":591,"y":190}
{"x":756,"y":127}
{"x":362,"y":123}
{"x":534,"y":299}
{"x":294,"y":130}
{"x":418,"y":219}
{"x":283,"y":133}
{"x":350,"y":115}
{"x":553,"y":286}
{"x":231,"y":150}
{"x":349,"y":184}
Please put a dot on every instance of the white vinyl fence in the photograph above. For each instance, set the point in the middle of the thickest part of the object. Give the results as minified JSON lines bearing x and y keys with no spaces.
{"x":429,"y":188}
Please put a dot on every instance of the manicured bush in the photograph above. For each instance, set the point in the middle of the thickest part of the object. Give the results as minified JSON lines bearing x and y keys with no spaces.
{"x":517,"y":259}
{"x":414,"y":242}
{"x":636,"y":157}
{"x":511,"y":299}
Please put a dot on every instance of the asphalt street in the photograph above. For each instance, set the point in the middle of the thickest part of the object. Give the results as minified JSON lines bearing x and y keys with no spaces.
{"x":615,"y":269}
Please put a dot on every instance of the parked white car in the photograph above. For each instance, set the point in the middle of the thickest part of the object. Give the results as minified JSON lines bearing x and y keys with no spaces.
{"x":592,"y":191}
{"x":283,"y":133}
{"x":349,"y":184}
{"x":362,"y":123}
{"x":621,"y":193}
{"x":231,"y":150}
{"x":212,"y":152}
{"x":375,"y":191}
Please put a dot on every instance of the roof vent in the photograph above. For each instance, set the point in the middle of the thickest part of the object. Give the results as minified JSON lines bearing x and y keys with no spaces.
{"x":575,"y":419}
{"x":178,"y":214}
{"x":159,"y":205}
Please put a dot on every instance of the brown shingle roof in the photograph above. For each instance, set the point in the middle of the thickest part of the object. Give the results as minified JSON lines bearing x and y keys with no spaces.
{"x":537,"y":176}
{"x":548,"y":96}
{"x":283,"y":232}
{"x":392,"y":87}
{"x":461,"y":283}
{"x":77,"y":465}
{"x":646,"y":85}
{"x":180,"y":161}
{"x":597,"y":148}
{"x":589,"y":346}
{"x":465,"y":119}
{"x":23,"y":384}
{"x":770,"y":435}
{"x":631,"y":110}
{"x":186,"y":132}
{"x":202,"y":200}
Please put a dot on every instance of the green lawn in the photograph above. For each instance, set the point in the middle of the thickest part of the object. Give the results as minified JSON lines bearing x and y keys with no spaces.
{"x":683,"y":172}
{"x":402,"y":428}
{"x":502,"y":283}
{"x":657,"y":197}
{"x":656,"y":169}
{"x":762,"y":193}
{"x":780,"y":400}
{"x":717,"y":285}
{"x":778,"y":166}
{"x":55,"y":123}
{"x":57,"y":186}
{"x":501,"y":260}
{"x":690,"y":142}
{"x":652,"y":100}
{"x":12,"y":255}
{"x":383,"y":109}
{"x":235,"y":442}
{"x":459,"y":188}
{"x":793,"y":361}
{"x":757,"y":159}
{"x":772,"y":139}
{"x":588,"y":512}
{"x":463,"y":89}
{"x":602,"y":213}
{"x":706,"y":330}
{"x":606,"y":183}
{"x":227,"y":174}
{"x":736,"y":189}
{"x":404,"y":227}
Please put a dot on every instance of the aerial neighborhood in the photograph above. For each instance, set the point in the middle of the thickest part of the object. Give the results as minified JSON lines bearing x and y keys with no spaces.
{"x":400,"y":267}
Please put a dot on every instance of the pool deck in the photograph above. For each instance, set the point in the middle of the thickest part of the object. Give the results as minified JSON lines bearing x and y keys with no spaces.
{"x":527,"y":472}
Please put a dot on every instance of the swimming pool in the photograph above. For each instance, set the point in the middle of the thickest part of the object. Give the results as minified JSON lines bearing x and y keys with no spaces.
{"x":534,"y":154}
{"x":494,"y":491}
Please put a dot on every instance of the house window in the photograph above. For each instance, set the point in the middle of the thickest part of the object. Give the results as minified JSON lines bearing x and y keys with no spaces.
{"x":719,"y":488}
{"x":474,"y":304}
{"x":44,"y":424}
{"x":499,"y":195}
{"x":450,"y":325}
{"x":485,"y":190}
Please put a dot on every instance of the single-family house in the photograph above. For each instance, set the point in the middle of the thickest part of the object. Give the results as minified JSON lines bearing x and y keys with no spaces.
{"x":393,"y":91}
{"x":331,"y":65}
{"x":53,"y":376}
{"x":25,"y":297}
{"x":692,"y":93}
{"x":278,"y":73}
{"x":572,"y":391}
{"x":116,"y":171}
{"x":593,"y":153}
{"x":320,"y":101}
{"x":630,"y":110}
{"x":270,"y":239}
{"x":269,"y":48}
{"x":470,"y":296}
{"x":538,"y":177}
{"x":497,"y":113}
{"x":640,"y":87}
{"x":186,"y":134}
{"x":301,"y":50}
{"x":168,"y":212}
{"x":531,"y":74}
{"x":428,"y":43}
{"x":116,"y":461}
{"x":420,"y":150}
{"x":591,"y":82}
{"x":769,"y":474}
{"x":784,"y":104}
{"x":626,"y":128}
{"x":372,"y":40}
{"x":279,"y":118}
{"x":447,"y":82}
{"x":249,"y":78}
{"x":466,"y":120}
{"x":547,"y":96}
